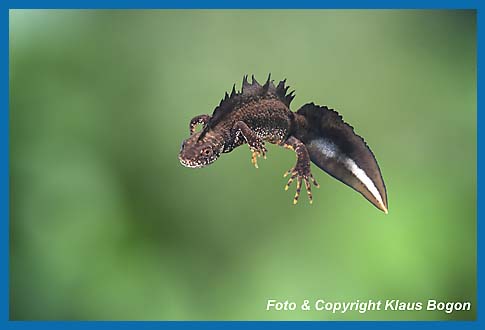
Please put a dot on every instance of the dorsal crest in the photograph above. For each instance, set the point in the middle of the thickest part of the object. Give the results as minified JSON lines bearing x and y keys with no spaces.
{"x":253,"y":91}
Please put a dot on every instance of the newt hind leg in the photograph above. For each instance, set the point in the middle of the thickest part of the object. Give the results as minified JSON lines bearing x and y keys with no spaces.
{"x":301,"y":171}
{"x":256,"y":145}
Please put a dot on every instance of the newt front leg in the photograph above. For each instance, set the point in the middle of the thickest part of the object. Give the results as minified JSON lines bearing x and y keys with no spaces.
{"x":201,"y":119}
{"x":301,"y":171}
{"x":256,"y":145}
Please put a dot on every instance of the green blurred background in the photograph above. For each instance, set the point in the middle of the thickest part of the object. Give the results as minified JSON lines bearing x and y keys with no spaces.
{"x":106,"y":224}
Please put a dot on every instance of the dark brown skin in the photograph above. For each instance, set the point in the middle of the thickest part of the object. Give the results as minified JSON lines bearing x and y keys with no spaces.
{"x":261,"y":113}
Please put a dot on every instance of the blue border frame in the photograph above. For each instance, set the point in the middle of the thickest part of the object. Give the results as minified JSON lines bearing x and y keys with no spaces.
{"x":210,"y":4}
{"x":249,"y":4}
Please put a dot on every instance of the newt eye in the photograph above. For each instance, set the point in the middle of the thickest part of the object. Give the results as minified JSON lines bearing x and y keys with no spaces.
{"x":207,"y":151}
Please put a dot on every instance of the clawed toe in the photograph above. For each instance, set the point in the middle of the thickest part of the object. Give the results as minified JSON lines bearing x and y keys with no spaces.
{"x":300,"y":178}
{"x":258,"y":152}
{"x":254,"y":158}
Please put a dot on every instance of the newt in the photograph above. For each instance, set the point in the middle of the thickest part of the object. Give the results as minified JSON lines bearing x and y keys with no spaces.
{"x":261,"y":113}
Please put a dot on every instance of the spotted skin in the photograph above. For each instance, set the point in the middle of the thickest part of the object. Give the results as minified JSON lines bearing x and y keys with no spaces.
{"x":260,"y":114}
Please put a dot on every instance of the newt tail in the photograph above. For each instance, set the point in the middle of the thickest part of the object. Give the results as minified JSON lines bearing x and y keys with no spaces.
{"x":261,"y":113}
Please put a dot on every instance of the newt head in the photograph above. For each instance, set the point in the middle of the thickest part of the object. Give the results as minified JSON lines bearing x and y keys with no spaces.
{"x":201,"y":150}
